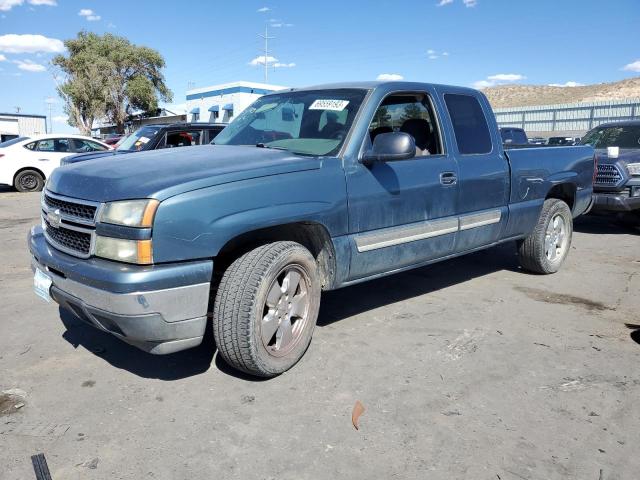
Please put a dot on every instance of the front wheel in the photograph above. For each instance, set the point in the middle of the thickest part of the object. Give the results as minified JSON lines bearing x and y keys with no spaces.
{"x":546,"y":248}
{"x":28,"y":181}
{"x":266,"y":308}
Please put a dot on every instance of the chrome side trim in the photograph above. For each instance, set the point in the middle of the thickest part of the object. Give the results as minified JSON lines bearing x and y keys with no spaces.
{"x":406,"y":233}
{"x":480,"y":219}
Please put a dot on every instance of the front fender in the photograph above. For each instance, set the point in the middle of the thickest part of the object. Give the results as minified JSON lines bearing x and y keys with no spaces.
{"x":198,"y":224}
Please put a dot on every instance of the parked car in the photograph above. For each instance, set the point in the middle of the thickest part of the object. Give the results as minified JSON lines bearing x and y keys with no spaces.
{"x":306,"y":190}
{"x":513,"y":136}
{"x":113,"y":139}
{"x":152,"y":137}
{"x":617,"y":183}
{"x":562,"y":141}
{"x":26,"y":162}
{"x":537,"y":141}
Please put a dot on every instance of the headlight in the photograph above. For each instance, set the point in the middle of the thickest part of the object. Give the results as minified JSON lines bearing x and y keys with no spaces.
{"x":634,"y":168}
{"x":131,"y":213}
{"x":130,"y":251}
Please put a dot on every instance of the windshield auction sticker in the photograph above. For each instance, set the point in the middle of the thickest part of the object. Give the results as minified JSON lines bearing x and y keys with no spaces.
{"x":335,"y":105}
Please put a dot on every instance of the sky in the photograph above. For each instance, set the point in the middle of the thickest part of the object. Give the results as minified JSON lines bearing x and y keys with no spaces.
{"x":462,"y":42}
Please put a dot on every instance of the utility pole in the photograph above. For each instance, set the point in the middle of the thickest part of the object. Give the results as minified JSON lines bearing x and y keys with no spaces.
{"x":266,"y":51}
{"x":49,"y":101}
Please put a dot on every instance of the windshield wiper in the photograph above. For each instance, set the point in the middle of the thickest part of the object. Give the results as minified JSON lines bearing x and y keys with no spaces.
{"x":264,"y":145}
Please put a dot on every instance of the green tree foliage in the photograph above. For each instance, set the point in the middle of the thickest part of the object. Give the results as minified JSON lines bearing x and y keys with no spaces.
{"x":106,"y":76}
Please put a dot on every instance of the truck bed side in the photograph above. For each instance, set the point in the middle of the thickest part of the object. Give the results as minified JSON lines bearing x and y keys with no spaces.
{"x":540,"y":173}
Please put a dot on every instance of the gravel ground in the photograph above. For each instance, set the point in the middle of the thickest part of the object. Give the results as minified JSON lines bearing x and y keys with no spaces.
{"x":467,"y":369}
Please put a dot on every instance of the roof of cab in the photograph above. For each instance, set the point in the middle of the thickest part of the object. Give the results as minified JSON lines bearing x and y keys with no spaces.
{"x":387,"y":86}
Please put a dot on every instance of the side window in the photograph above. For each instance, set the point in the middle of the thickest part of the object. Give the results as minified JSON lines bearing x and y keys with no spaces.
{"x":30,"y":146}
{"x":83,"y":146}
{"x":469,"y":124}
{"x":409,"y":113}
{"x":45,"y":145}
{"x":183,"y":138}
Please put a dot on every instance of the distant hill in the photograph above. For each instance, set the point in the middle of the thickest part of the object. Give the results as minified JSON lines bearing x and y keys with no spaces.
{"x":527,"y":95}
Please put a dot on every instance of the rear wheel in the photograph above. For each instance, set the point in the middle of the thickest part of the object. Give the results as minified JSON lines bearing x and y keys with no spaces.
{"x":28,"y":181}
{"x":546,"y":248}
{"x":266,"y":308}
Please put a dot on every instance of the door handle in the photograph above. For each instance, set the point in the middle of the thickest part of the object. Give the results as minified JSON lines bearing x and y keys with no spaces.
{"x":43,"y":159}
{"x":448,"y":178}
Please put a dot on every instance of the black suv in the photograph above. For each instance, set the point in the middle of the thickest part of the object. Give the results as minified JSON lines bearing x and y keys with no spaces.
{"x":152,"y":137}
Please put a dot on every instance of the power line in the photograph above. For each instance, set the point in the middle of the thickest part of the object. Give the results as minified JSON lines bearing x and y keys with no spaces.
{"x":266,"y":38}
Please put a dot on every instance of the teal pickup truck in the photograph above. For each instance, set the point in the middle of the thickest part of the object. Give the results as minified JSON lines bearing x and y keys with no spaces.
{"x":307,"y":190}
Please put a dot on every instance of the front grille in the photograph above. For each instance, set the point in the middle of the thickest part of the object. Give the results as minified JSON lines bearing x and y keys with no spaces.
{"x":76,"y":242}
{"x":72,"y":209}
{"x":608,"y":175}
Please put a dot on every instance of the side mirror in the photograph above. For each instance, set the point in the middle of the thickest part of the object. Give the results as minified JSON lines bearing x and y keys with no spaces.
{"x":390,"y":147}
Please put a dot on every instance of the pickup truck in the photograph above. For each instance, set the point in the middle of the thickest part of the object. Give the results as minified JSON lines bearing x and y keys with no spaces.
{"x":307,"y":190}
{"x":617,"y":182}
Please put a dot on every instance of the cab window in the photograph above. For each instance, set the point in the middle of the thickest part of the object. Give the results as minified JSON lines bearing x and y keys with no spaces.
{"x":410,"y":113}
{"x":183,"y":138}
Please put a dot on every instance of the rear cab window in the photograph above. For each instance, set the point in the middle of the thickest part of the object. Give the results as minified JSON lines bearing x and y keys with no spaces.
{"x":182,"y":138}
{"x":469,"y":124}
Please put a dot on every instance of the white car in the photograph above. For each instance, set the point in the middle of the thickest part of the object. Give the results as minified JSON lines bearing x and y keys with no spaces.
{"x":26,"y":162}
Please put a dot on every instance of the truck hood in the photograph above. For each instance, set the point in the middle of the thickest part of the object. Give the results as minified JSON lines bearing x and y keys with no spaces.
{"x":81,"y":157}
{"x":626,"y":155}
{"x":163,"y":173}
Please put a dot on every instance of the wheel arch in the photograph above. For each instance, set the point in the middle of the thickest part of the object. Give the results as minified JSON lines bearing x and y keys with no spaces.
{"x":312,"y":235}
{"x":22,"y":169}
{"x":564,"y":191}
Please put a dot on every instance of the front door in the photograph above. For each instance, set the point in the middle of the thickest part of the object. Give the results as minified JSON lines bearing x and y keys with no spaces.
{"x":403,"y":213}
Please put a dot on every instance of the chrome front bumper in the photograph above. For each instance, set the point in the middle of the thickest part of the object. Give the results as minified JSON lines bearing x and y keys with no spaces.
{"x":127,"y":301}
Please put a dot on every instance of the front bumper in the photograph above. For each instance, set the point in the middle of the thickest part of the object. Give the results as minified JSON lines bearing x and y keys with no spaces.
{"x":158,"y":308}
{"x":614,"y":202}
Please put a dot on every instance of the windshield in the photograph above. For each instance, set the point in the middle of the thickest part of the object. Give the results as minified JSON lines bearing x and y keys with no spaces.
{"x":13,"y":141}
{"x":307,"y":123}
{"x":138,"y":139}
{"x":623,"y":137}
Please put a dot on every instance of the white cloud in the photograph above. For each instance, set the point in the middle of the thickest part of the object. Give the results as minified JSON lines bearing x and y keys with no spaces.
{"x":567,"y":84}
{"x":283,"y":65}
{"x":29,"y":66}
{"x":445,"y":54}
{"x":493,"y":80}
{"x":263,"y":10}
{"x":431,"y":52}
{"x":48,"y":3}
{"x":6,"y":5}
{"x":3,"y":58}
{"x":60,"y":119}
{"x":433,"y":57}
{"x":260,"y":60}
{"x":470,"y":3}
{"x":389,"y":77}
{"x":89,"y":14}
{"x":632,"y":67}
{"x":506,"y":77}
{"x":442,"y":3}
{"x":480,"y":84}
{"x":27,"y":43}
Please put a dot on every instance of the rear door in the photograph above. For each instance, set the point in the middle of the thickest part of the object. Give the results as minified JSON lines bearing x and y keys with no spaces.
{"x":483,"y":178}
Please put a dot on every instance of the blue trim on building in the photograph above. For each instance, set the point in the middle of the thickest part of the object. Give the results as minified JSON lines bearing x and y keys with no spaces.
{"x":195,"y":110}
{"x":228,"y":107}
{"x":228,"y":91}
{"x":214,"y":108}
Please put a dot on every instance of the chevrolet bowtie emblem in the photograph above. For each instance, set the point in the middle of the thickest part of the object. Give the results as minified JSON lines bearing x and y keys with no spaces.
{"x":54,"y":218}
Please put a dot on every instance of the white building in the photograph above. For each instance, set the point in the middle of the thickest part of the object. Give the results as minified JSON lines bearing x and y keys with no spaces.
{"x":221,"y":103}
{"x":14,"y":125}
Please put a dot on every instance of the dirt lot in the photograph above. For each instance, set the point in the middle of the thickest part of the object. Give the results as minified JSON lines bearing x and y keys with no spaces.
{"x":467,"y":369}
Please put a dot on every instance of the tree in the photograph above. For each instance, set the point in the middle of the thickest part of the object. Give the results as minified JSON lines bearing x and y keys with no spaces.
{"x":108,"y":76}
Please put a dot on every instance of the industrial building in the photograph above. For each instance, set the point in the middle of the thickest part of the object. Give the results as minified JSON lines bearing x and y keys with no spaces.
{"x":14,"y":125}
{"x":222,"y":103}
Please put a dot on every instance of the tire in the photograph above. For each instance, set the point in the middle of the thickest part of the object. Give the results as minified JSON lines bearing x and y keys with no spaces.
{"x":255,"y":304}
{"x":28,"y":181}
{"x":546,"y":248}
